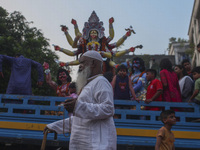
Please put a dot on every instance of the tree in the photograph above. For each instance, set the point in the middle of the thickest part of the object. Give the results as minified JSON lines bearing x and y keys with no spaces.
{"x":189,"y":51}
{"x":174,"y":40}
{"x":16,"y":36}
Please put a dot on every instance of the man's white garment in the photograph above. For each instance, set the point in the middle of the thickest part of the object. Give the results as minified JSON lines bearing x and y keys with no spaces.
{"x":92,"y":124}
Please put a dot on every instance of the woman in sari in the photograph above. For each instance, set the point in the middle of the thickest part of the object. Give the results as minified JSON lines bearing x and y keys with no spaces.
{"x":169,"y":79}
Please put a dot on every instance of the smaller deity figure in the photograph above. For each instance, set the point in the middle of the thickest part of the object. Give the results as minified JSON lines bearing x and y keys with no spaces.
{"x":138,"y":77}
{"x":63,"y":81}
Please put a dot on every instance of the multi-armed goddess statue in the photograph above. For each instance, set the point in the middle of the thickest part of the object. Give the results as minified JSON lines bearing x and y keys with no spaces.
{"x":93,"y":38}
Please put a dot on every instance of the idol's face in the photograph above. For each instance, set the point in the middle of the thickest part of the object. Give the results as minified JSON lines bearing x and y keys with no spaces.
{"x":62,"y":76}
{"x":136,"y":64}
{"x":93,"y":34}
{"x":81,"y":41}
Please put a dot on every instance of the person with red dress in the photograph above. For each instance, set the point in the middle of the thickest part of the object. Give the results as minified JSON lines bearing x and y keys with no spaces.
{"x":169,"y":79}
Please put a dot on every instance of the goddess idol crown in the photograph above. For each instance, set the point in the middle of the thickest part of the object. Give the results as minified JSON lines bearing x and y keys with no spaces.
{"x":93,"y":24}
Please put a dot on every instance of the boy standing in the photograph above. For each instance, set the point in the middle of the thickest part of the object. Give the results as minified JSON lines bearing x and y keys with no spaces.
{"x":154,"y":89}
{"x":165,"y":138}
{"x":187,"y":65}
{"x":196,"y":94}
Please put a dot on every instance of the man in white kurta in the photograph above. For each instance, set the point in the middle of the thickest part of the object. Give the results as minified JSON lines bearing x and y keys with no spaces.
{"x":92,"y":125}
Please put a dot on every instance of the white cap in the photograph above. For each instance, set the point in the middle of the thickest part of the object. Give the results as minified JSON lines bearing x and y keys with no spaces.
{"x":93,"y":54}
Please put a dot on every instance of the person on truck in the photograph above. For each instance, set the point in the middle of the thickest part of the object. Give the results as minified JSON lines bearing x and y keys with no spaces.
{"x":20,"y":78}
{"x":92,"y":125}
{"x":122,"y":86}
{"x":169,"y":79}
{"x":185,"y":82}
{"x":63,"y":80}
{"x":187,"y":65}
{"x":196,"y":93}
{"x":154,"y":89}
{"x":138,"y":77}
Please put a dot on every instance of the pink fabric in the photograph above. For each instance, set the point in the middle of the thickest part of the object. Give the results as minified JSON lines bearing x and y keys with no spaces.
{"x":171,"y":93}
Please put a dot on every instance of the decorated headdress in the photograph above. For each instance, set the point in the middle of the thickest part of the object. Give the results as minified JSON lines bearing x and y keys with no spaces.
{"x":93,"y":24}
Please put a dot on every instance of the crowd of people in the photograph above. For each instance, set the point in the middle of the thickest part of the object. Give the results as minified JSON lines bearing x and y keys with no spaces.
{"x":177,"y":83}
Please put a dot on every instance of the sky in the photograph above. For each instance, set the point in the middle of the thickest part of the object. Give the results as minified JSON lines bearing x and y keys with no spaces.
{"x":154,"y":21}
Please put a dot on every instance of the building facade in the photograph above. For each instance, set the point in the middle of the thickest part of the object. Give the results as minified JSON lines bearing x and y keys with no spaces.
{"x":178,"y":50}
{"x":194,"y":32}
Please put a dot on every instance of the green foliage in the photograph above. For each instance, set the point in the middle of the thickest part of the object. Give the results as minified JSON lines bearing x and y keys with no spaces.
{"x":179,"y":40}
{"x":190,"y":51}
{"x":16,"y":36}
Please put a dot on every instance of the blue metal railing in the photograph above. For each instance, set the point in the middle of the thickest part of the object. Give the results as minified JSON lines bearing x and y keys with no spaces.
{"x":44,"y":110}
{"x":188,"y":116}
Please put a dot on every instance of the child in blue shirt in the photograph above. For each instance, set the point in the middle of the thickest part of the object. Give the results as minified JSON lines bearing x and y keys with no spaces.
{"x":122,"y":86}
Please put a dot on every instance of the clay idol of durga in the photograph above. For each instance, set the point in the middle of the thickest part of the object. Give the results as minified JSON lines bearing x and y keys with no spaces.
{"x":93,"y":38}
